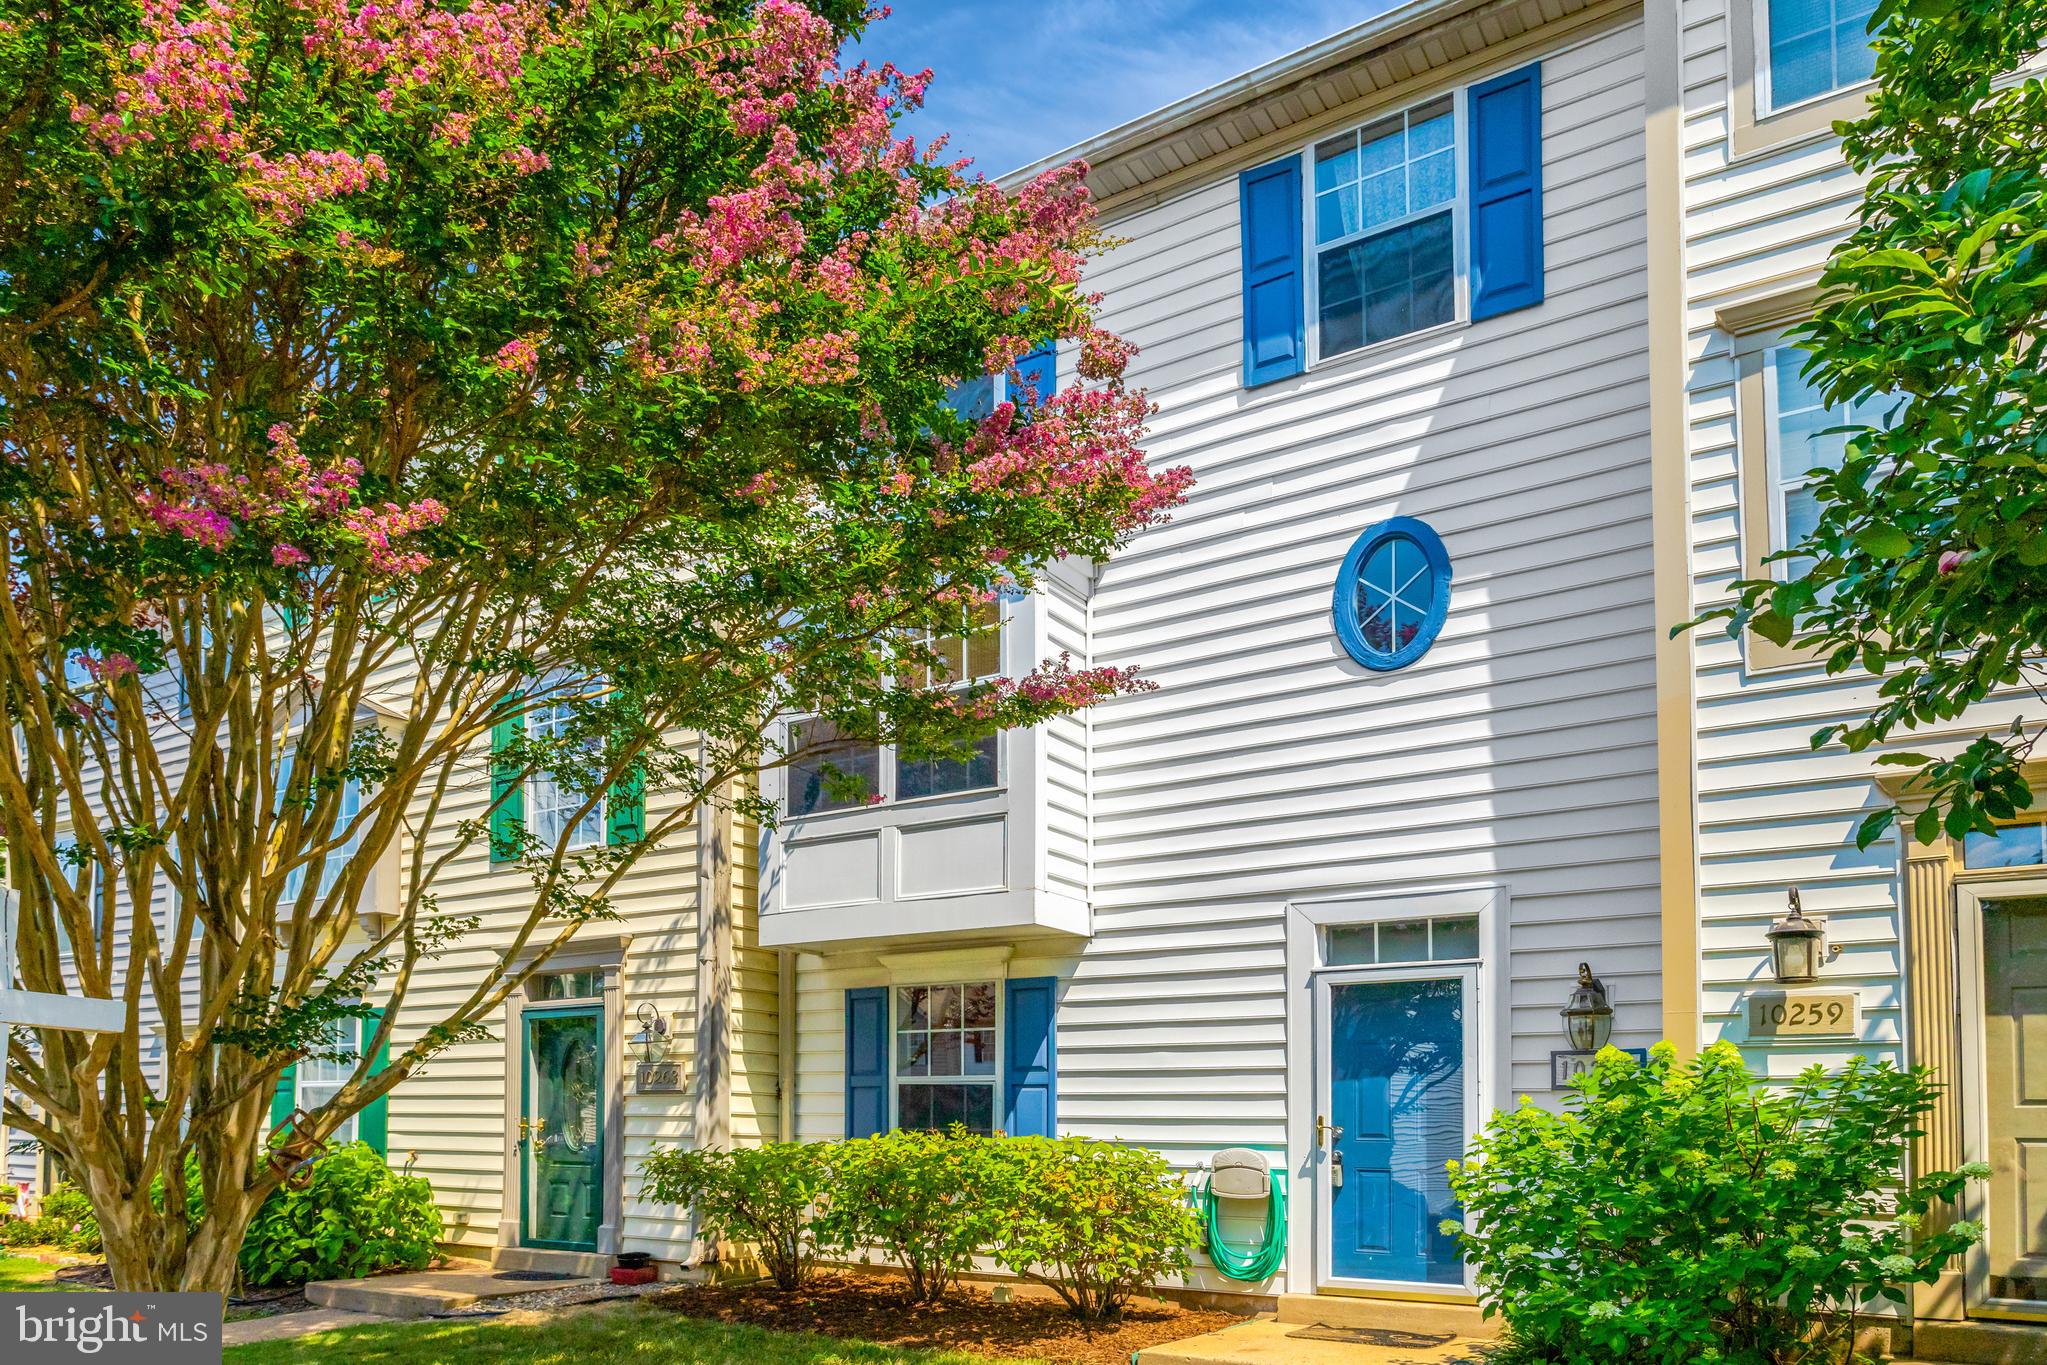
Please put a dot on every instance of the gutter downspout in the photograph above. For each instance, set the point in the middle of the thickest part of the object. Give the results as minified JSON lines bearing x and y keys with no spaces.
{"x":785,"y":1043}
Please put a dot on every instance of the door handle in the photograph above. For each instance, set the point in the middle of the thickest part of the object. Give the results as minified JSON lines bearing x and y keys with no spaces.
{"x":1326,"y":1132}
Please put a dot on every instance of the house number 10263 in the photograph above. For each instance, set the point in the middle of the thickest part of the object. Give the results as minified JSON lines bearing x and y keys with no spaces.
{"x":1774,"y":1014}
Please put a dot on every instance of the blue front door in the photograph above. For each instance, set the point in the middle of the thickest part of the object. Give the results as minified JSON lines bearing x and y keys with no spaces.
{"x":1397,"y":1084}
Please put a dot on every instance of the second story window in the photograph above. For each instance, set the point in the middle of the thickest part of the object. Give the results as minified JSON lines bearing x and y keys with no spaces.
{"x":830,"y":770}
{"x":1385,"y":203}
{"x":1803,"y":439}
{"x":1814,"y":47}
{"x":550,"y":805}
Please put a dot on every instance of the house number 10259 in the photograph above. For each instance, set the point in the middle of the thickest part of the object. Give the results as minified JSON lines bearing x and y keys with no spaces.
{"x":1773,"y":1014}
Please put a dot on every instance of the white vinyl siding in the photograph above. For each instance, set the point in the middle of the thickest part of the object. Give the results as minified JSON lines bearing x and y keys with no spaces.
{"x":1268,"y":769}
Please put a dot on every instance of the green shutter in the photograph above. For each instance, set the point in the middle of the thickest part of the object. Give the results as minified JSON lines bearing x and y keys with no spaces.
{"x":373,"y":1125}
{"x":507,"y":780}
{"x":284,"y":1099}
{"x":625,"y":810}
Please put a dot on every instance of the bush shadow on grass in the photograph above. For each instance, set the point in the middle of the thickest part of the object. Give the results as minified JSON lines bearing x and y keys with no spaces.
{"x":634,"y":1334}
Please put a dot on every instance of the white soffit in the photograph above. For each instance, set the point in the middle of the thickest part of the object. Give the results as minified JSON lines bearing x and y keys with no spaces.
{"x":1299,"y":88}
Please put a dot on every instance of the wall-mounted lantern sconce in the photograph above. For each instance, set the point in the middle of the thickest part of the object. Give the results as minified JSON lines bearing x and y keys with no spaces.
{"x":1798,"y":946}
{"x":653,"y":1034}
{"x":1588,"y":1019}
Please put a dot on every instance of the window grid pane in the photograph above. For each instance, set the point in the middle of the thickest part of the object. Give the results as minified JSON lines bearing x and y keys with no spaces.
{"x":1817,"y":46}
{"x":1381,"y":173}
{"x":945,"y":1056}
{"x":1384,"y":286}
{"x":1392,"y":942}
{"x":821,"y":756}
{"x":2022,"y":845}
{"x":1803,"y":442}
{"x":552,"y":805}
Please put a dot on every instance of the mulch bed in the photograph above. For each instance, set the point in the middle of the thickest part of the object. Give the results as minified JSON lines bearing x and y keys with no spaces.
{"x":872,"y":1307}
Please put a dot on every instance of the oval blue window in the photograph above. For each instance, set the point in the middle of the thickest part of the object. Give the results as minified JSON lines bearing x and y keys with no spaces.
{"x":1392,"y":593}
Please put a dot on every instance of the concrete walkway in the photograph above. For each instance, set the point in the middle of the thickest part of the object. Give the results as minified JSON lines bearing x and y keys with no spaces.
{"x":1264,"y":1341}
{"x":429,"y":1293}
{"x":281,"y":1326}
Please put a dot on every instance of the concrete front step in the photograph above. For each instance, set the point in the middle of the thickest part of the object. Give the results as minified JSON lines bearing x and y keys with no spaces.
{"x":1264,"y":1341}
{"x":584,"y":1265}
{"x":1979,"y":1343}
{"x":1402,"y":1315}
{"x":428,"y":1292}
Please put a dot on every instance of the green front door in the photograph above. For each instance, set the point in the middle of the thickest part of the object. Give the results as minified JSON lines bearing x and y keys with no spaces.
{"x":561,"y":1128}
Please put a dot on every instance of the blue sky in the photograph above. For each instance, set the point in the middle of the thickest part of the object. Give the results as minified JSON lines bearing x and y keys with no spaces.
{"x":1013,"y":83}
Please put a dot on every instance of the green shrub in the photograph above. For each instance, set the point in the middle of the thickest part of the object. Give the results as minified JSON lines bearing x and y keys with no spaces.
{"x":919,"y":1196}
{"x":1096,"y":1221}
{"x":64,"y":1220}
{"x":1683,"y":1213}
{"x":355,"y":1217}
{"x":767,"y":1196}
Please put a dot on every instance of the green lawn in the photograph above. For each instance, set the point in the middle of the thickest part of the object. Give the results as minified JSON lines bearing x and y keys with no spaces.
{"x":614,"y":1336}
{"x":18,"y":1273}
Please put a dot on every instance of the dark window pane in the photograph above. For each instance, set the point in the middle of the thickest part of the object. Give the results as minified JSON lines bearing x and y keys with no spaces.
{"x":980,"y":1004}
{"x":913,"y":1106}
{"x":945,"y":1007}
{"x":945,"y":1054}
{"x":1388,"y":285}
{"x":977,"y":1108}
{"x":827,"y":771}
{"x":937,"y":776}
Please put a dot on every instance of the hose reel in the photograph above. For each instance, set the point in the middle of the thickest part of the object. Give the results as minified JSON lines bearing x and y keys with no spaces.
{"x":1239,"y":1176}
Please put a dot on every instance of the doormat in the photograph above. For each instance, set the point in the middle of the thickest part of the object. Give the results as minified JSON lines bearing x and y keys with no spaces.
{"x":1375,"y":1336}
{"x":536,"y":1275}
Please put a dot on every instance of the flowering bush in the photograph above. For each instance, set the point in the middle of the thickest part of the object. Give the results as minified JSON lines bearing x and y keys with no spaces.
{"x":922,"y":1198}
{"x":776,"y":1197}
{"x":1096,"y":1221}
{"x":1685,"y":1213}
{"x":588,"y":355}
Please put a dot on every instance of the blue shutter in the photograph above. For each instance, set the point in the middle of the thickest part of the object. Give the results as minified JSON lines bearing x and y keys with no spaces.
{"x":1275,"y":306}
{"x":866,"y":1061}
{"x":1030,"y":1058}
{"x":1506,"y":193}
{"x":1040,"y":370}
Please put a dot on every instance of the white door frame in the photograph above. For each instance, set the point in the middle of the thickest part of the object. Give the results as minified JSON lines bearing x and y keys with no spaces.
{"x":1486,"y":1032}
{"x":1971,"y":900}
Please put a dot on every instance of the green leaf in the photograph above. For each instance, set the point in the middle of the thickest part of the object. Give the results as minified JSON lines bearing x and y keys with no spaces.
{"x":1883,"y":542}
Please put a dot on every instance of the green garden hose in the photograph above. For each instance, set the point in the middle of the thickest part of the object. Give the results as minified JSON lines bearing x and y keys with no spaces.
{"x":1253,"y":1265}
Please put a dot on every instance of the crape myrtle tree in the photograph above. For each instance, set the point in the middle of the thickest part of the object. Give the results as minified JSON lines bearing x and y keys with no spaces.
{"x":1928,"y":567}
{"x":372,"y":374}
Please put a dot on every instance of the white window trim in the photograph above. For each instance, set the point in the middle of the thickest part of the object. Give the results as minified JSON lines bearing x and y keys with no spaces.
{"x":347,"y":1129}
{"x":601,"y":813}
{"x":970,"y":977}
{"x":885,"y":775}
{"x":1779,"y":485}
{"x":1766,"y":105}
{"x":1458,"y":206}
{"x":1773,"y":463}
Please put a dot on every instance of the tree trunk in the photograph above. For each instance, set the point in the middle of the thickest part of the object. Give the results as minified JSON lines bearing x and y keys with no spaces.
{"x":147,"y":1252}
